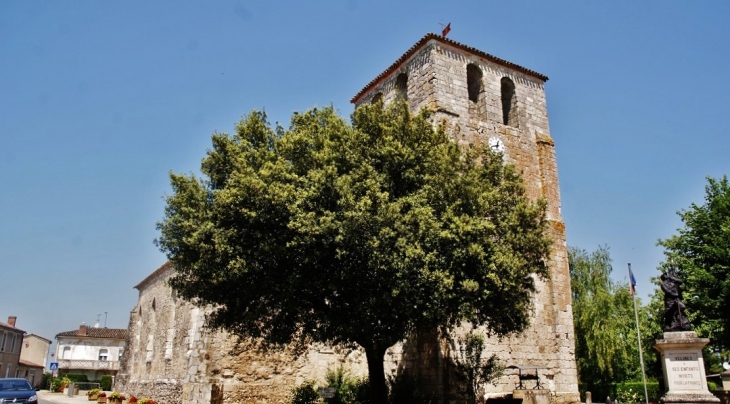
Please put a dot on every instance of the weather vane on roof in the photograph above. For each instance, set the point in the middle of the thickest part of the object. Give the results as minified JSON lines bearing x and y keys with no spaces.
{"x":446,"y":29}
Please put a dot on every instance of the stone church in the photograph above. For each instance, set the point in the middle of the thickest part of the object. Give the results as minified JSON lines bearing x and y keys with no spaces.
{"x":173,"y":358}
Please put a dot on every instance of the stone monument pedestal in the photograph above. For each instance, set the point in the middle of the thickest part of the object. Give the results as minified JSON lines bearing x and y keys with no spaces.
{"x":684,"y":368}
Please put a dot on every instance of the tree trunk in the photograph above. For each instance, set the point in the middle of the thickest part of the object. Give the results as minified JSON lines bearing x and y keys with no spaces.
{"x":376,"y":373}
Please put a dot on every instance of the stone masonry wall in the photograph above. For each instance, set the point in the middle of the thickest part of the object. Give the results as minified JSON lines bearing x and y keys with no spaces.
{"x":437,"y":79}
{"x":172,"y":357}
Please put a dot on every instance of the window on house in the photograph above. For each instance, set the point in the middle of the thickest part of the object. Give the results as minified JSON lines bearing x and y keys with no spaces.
{"x":8,"y":369}
{"x":509,"y":104}
{"x":401,"y":86}
{"x":12,"y":343}
{"x":2,"y":343}
{"x":103,"y":354}
{"x":474,"y":82}
{"x":66,"y":353}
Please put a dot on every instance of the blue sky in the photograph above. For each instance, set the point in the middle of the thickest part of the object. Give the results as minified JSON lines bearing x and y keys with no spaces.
{"x":99,"y":100}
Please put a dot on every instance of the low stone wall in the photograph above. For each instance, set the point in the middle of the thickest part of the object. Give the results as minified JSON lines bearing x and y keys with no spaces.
{"x":162,"y":391}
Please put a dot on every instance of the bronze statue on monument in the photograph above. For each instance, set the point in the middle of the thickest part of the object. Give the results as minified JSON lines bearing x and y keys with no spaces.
{"x":675,"y":318}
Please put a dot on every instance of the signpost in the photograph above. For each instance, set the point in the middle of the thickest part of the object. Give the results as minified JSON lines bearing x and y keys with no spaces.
{"x":53,"y":366}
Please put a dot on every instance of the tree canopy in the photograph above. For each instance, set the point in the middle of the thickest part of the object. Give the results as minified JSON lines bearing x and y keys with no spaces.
{"x":606,"y":347}
{"x":353,"y":233}
{"x":701,"y":253}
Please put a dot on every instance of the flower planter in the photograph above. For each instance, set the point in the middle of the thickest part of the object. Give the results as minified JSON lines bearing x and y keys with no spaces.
{"x":94,"y":397}
{"x":101,"y":400}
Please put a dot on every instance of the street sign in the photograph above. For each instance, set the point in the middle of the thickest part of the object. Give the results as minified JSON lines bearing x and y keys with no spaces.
{"x":54,"y":366}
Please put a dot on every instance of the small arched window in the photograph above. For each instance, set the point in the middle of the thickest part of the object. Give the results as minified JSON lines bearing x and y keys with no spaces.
{"x":474,"y":82}
{"x":103,"y":354}
{"x":509,"y":104}
{"x":401,"y":86}
{"x":377,"y":98}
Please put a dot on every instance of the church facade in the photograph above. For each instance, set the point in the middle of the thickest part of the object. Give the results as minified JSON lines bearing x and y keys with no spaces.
{"x":482,"y":99}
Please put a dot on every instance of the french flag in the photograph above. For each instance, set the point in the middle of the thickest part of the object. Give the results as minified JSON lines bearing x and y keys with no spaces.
{"x":632,"y":282}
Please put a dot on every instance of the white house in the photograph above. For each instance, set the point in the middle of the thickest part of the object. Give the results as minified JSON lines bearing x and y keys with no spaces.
{"x":93,"y":351}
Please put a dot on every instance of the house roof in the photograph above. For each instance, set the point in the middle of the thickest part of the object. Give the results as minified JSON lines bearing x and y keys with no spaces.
{"x":39,"y":337}
{"x":167,"y":265}
{"x":6,"y":325}
{"x":438,"y":38}
{"x":26,"y":363}
{"x":93,"y":332}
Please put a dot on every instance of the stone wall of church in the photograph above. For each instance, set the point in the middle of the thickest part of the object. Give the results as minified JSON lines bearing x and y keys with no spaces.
{"x":172,"y":357}
{"x":437,"y":79}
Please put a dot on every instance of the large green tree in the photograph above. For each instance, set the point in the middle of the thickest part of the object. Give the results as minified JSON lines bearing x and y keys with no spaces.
{"x":701,"y":254}
{"x":606,"y":346}
{"x":354,"y":233}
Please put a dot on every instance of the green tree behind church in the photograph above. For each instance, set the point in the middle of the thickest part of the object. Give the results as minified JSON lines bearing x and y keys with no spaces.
{"x":353,"y":233}
{"x":606,"y":346}
{"x":701,"y":253}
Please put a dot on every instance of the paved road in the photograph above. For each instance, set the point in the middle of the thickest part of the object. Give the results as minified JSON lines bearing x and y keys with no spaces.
{"x":46,"y":397}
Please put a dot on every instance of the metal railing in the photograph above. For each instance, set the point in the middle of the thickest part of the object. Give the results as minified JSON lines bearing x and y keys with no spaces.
{"x":88,"y":364}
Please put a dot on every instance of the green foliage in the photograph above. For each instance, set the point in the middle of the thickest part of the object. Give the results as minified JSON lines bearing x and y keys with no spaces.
{"x":353,"y":234}
{"x":701,"y":254}
{"x":60,"y":383}
{"x":404,"y":388}
{"x":106,"y":382}
{"x":45,"y":380}
{"x":472,"y":368}
{"x":304,"y":394}
{"x":712,"y":386}
{"x":654,"y":389}
{"x":348,"y":389}
{"x":604,"y":321}
{"x":76,"y":377}
{"x":629,"y":396}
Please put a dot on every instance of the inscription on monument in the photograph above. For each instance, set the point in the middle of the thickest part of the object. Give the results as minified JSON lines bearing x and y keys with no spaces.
{"x":683,"y":371}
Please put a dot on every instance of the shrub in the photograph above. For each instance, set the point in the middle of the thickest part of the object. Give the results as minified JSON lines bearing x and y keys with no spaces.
{"x":117,"y":395}
{"x":93,"y":392}
{"x":59,"y":383}
{"x":346,"y":386}
{"x":102,"y":394}
{"x":76,"y":377}
{"x":712,"y":386}
{"x":106,"y":382}
{"x":652,"y":387}
{"x":629,"y":397}
{"x":45,"y":380}
{"x":304,"y":394}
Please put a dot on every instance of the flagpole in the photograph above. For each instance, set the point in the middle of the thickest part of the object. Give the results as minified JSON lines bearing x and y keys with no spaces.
{"x":632,"y":283}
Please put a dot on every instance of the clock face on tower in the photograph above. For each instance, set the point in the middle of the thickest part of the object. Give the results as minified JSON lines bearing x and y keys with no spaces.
{"x":496,"y":145}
